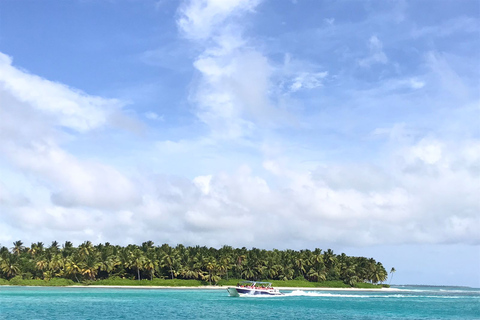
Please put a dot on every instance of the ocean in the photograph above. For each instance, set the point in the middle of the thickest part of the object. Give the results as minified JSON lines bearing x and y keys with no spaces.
{"x":63,"y":303}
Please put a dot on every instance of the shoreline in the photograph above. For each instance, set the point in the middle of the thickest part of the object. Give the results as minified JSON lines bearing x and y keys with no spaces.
{"x":225,"y":287}
{"x":204,"y":287}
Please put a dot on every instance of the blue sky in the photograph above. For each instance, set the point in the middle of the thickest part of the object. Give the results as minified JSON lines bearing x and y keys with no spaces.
{"x":351,"y":125}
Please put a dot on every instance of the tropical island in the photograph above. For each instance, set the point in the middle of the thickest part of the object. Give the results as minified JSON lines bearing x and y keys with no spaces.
{"x":150,"y":265}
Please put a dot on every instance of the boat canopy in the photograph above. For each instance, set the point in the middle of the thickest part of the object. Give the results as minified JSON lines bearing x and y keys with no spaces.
{"x":254,"y":283}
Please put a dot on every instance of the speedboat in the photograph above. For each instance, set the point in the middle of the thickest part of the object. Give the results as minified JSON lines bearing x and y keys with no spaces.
{"x":250,"y":288}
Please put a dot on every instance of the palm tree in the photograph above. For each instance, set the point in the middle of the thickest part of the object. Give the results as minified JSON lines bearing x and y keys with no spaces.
{"x":137,"y":261}
{"x":329,"y":258}
{"x":317,"y":267}
{"x":392,"y":271}
{"x":54,"y":247}
{"x":42,"y":265}
{"x":377,"y":272}
{"x":149,"y":265}
{"x":224,"y":265}
{"x":67,"y":249}
{"x":33,"y":250}
{"x":56,"y":264}
{"x":248,"y":272}
{"x":107,"y":260}
{"x":300,"y":264}
{"x":36,"y":249}
{"x":168,"y":260}
{"x":148,"y":245}
{"x":18,"y":247}
{"x":316,"y":274}
{"x":239,"y":266}
{"x":10,"y":266}
{"x":90,"y":266}
{"x":212,"y":267}
{"x":85,"y":249}
{"x":72,"y":267}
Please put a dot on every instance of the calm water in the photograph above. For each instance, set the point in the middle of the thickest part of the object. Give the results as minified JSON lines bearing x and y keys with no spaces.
{"x":111,"y":303}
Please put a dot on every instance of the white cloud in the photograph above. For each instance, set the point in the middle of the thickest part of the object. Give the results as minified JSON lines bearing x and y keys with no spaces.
{"x":376,"y":53}
{"x":425,"y":192}
{"x":71,"y":108}
{"x":329,"y":21}
{"x":33,"y":112}
{"x":308,"y":81}
{"x":201,"y":19}
{"x":203,"y":183}
{"x":153,"y":116}
{"x":421,"y":188}
{"x":416,"y":84}
{"x":297,"y":75}
{"x":232,"y":93}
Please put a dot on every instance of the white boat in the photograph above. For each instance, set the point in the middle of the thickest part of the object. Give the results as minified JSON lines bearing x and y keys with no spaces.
{"x":250,"y":288}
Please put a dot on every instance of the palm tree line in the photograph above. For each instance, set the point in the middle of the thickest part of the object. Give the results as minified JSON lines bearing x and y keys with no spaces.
{"x":89,"y":262}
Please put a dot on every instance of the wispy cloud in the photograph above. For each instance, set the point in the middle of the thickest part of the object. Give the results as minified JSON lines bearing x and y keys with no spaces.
{"x":153,"y":116}
{"x":200,"y":20}
{"x":308,"y":81}
{"x":376,"y":53}
{"x":71,"y":108}
{"x":232,"y":93}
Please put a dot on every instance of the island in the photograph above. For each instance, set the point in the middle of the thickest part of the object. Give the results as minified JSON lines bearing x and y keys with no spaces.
{"x":183,"y":266}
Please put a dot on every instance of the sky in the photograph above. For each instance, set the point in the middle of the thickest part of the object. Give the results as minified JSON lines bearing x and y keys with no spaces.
{"x":287,"y":124}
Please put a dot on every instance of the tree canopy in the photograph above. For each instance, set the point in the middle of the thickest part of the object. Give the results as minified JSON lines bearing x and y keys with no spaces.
{"x":89,"y":262}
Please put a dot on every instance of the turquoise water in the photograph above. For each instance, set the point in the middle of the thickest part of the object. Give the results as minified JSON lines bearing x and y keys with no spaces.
{"x":113,"y":303}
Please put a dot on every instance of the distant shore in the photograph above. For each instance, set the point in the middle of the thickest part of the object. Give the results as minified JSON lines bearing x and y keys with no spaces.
{"x":225,"y":287}
{"x":188,"y":284}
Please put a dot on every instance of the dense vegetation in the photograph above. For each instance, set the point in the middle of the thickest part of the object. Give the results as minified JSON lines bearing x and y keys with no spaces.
{"x":113,"y":264}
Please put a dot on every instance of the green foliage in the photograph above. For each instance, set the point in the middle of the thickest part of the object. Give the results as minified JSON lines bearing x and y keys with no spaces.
{"x":229,"y":282}
{"x":154,"y":282}
{"x":106,"y":264}
{"x":55,"y":282}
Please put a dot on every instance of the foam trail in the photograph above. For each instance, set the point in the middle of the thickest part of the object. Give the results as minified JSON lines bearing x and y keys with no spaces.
{"x":300,"y":293}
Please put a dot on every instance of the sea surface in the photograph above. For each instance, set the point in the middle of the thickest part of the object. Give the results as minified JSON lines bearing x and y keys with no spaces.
{"x":114,"y":303}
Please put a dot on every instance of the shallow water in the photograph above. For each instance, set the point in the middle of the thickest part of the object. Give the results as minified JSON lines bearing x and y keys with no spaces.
{"x":115,"y":303}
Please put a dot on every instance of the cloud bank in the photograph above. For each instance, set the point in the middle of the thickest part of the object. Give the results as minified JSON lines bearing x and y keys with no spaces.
{"x":416,"y":181}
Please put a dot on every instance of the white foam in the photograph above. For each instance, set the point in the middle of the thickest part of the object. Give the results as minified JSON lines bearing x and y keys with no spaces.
{"x":300,"y":293}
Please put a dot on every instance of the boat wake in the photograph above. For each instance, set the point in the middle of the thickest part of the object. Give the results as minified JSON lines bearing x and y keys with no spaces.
{"x":301,"y":293}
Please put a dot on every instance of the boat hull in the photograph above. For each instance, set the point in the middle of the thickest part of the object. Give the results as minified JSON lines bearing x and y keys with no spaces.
{"x":233,"y":292}
{"x":238,"y":292}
